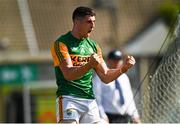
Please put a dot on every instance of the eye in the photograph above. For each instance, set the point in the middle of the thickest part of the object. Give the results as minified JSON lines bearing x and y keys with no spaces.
{"x":89,"y":21}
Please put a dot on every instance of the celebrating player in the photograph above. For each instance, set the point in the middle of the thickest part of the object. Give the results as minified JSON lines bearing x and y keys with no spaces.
{"x":75,"y":57}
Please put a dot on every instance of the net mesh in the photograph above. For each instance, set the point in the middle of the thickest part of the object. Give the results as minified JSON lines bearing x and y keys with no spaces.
{"x":161,"y":99}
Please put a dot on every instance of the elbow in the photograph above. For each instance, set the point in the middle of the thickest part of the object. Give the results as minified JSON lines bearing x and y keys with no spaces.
{"x":68,"y":77}
{"x":106,"y":80}
{"x":68,"y":74}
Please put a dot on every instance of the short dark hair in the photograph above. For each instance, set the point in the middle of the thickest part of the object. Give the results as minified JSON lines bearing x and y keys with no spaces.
{"x":115,"y":55}
{"x":82,"y":12}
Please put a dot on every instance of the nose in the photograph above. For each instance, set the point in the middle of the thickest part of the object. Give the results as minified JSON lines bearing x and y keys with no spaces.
{"x":93,"y":25}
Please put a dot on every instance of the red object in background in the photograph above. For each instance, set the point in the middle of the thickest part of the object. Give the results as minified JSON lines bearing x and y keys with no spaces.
{"x":47,"y":116}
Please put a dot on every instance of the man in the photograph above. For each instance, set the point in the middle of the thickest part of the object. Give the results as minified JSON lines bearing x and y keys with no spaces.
{"x":116,"y":98}
{"x":75,"y":57}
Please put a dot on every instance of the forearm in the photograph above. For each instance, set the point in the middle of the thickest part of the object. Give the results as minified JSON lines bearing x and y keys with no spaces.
{"x":73,"y":73}
{"x":110,"y":75}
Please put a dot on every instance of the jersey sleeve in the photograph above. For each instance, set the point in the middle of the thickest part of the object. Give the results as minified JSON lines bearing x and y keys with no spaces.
{"x":59,"y":52}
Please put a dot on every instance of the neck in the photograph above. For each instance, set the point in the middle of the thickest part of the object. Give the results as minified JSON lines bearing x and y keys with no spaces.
{"x":76,"y":33}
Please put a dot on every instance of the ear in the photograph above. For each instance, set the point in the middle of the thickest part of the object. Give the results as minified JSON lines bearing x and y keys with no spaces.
{"x":76,"y":22}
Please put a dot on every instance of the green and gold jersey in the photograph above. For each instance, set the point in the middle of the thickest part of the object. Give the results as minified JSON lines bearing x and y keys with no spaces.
{"x":79,"y":51}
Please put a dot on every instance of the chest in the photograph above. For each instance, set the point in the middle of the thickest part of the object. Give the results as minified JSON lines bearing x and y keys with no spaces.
{"x":80,"y":52}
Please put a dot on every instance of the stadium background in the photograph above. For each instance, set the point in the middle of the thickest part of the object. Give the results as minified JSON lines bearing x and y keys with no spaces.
{"x":28,"y":27}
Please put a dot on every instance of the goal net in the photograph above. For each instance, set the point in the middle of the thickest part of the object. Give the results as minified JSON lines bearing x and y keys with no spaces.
{"x":160,"y":102}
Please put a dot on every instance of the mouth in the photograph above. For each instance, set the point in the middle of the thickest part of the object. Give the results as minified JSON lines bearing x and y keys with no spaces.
{"x":89,"y":31}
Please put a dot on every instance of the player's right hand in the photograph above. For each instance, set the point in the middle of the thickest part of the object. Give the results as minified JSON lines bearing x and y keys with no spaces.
{"x":94,"y":60}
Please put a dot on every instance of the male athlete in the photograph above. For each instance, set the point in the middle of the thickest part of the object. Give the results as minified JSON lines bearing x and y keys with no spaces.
{"x":75,"y":57}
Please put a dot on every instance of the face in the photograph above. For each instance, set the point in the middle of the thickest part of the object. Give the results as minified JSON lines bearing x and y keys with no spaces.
{"x":85,"y":26}
{"x":114,"y":63}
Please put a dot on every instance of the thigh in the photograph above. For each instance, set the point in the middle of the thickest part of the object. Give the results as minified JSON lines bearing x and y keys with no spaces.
{"x":92,"y":115}
{"x":66,"y":111}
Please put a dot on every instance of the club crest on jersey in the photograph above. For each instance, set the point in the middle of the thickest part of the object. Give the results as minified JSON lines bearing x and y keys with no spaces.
{"x":91,"y":50}
{"x":82,"y":50}
{"x":74,"y":49}
{"x":69,"y":112}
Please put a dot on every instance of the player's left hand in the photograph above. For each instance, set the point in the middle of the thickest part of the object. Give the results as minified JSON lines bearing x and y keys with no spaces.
{"x":128,"y":63}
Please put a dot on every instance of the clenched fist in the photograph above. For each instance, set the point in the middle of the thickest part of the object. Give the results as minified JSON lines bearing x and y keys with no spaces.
{"x":94,"y":60}
{"x":128,"y":63}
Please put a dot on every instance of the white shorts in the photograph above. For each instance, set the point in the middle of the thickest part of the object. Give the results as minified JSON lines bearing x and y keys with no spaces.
{"x":78,"y":109}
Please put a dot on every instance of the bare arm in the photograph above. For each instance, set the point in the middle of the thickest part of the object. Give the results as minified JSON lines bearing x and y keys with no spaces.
{"x":108,"y":75}
{"x":63,"y":60}
{"x":71,"y":72}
